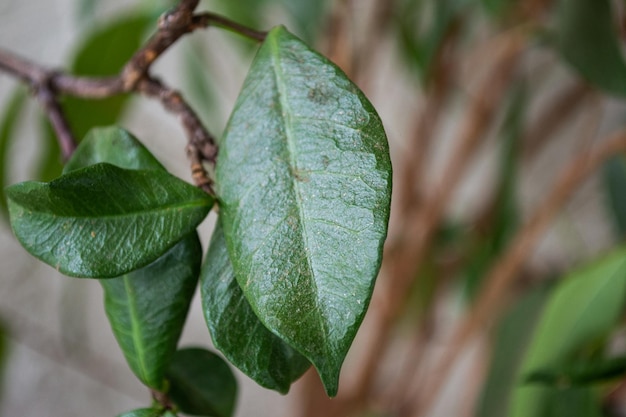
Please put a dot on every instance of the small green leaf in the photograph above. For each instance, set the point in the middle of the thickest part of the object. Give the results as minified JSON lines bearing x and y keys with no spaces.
{"x":582,"y":372}
{"x":201,"y":383}
{"x":582,"y":309}
{"x":614,"y":174}
{"x":145,"y":412}
{"x":587,"y":38}
{"x":7,"y":127}
{"x":305,"y":180}
{"x":235,"y":329}
{"x":103,"y":221}
{"x":112,"y":145}
{"x":147,"y":309}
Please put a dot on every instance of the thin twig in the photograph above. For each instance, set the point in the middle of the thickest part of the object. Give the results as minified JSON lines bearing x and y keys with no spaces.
{"x":502,"y":275}
{"x":201,"y":144}
{"x":134,"y":77}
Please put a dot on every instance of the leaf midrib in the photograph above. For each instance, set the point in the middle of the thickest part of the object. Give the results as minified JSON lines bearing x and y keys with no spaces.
{"x":282,"y":97}
{"x":121,"y":216}
{"x":135,"y":330}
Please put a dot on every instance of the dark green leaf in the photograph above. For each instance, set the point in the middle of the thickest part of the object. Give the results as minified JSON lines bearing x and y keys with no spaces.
{"x":583,"y":308}
{"x":615,"y":186}
{"x":145,"y":412}
{"x":587,"y":38}
{"x":201,"y":383}
{"x":544,"y":401}
{"x":112,"y":145}
{"x":7,"y":127}
{"x":512,"y":337}
{"x":235,"y":329}
{"x":582,"y":372}
{"x":147,"y":309}
{"x":304,"y":179}
{"x":147,"y":335}
{"x":103,"y":221}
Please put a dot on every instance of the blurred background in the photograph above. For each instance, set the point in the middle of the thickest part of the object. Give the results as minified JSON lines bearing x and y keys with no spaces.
{"x":505,"y":120}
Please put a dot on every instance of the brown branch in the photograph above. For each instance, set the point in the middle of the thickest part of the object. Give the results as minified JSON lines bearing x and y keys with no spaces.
{"x":201,"y":145}
{"x":501,"y":277}
{"x":134,"y":77}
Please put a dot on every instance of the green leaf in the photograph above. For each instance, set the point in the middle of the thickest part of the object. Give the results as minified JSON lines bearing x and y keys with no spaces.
{"x":201,"y":383}
{"x":103,"y":53}
{"x":7,"y":130}
{"x":584,"y":308}
{"x":235,"y":329}
{"x":147,"y":335}
{"x":588,"y":40}
{"x":146,"y":412}
{"x":614,"y":174}
{"x":512,"y":338}
{"x":582,"y":372}
{"x":112,"y":145}
{"x":304,"y":180}
{"x":147,"y":309}
{"x":543,"y":401}
{"x":103,"y":221}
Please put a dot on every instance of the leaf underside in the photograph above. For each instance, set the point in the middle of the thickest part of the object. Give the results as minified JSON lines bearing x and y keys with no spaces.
{"x":304,"y":180}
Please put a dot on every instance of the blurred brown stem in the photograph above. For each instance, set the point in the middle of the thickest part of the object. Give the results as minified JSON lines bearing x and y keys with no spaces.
{"x":501,"y":277}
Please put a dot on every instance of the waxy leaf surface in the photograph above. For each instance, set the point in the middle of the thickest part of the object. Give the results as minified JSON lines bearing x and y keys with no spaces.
{"x":235,"y":329}
{"x":147,"y":307}
{"x":202,"y":384}
{"x":103,"y":221}
{"x":304,"y":180}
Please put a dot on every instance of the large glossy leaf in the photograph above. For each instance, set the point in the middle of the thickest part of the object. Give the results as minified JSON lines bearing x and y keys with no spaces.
{"x":7,"y":127}
{"x":146,"y":307}
{"x":235,"y":329}
{"x":614,"y":174}
{"x":582,"y":309}
{"x":587,"y":37}
{"x":202,"y":384}
{"x":103,"y":221}
{"x":304,"y":179}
